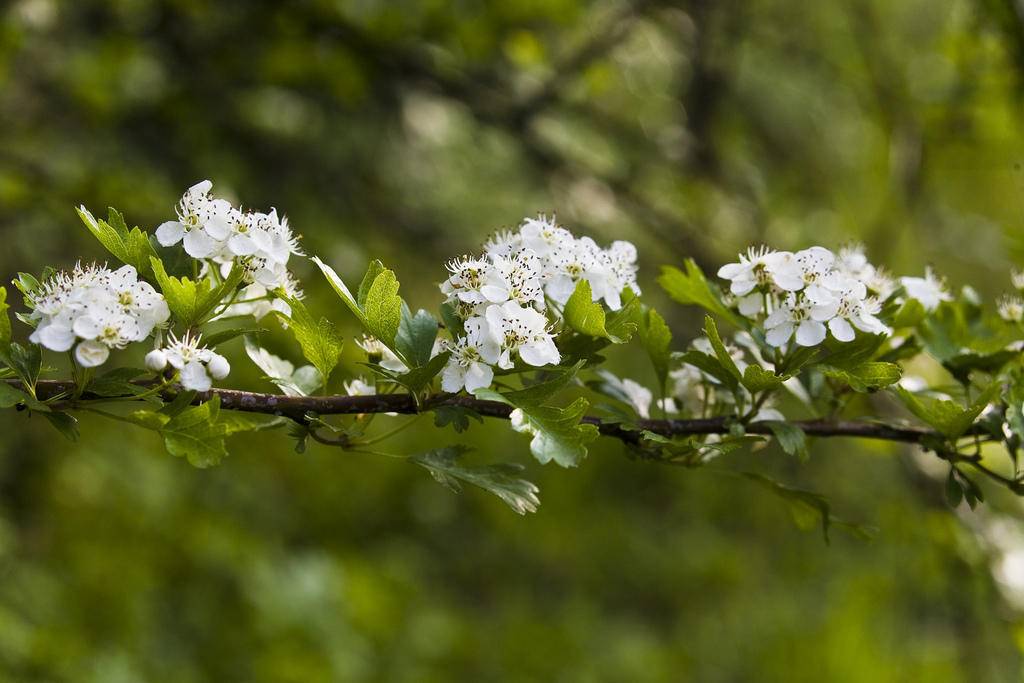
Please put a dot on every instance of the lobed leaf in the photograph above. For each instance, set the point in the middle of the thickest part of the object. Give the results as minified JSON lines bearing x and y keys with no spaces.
{"x":692,"y":287}
{"x":500,"y":479}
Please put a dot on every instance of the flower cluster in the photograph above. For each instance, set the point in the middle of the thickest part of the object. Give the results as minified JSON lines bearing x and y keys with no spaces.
{"x":210,"y":228}
{"x":810,"y":293}
{"x":96,"y":308}
{"x":198,"y":366}
{"x":503,"y":296}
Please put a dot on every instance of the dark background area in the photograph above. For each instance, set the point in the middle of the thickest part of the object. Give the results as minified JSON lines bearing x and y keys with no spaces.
{"x":409,"y":131}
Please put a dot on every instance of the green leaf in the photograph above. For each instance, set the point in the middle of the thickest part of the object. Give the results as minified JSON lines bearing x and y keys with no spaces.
{"x":557,"y":432}
{"x":192,"y":302}
{"x":25,"y":361}
{"x":954,"y":492}
{"x":372,"y":271}
{"x":585,"y":315}
{"x":5,"y":320}
{"x":710,"y":365}
{"x":556,"y":381}
{"x":195,"y":433}
{"x":945,"y":416}
{"x":809,"y":509}
{"x":656,"y":338}
{"x":66,"y":424}
{"x":500,"y":479}
{"x":118,"y":382}
{"x":381,"y":293}
{"x":790,"y":437}
{"x":757,"y":379}
{"x":416,"y":336}
{"x":452,"y":322}
{"x":320,"y":340}
{"x":217,"y":338}
{"x":129,"y":246}
{"x":417,"y":379}
{"x":456,"y":416}
{"x":722,"y":353}
{"x":12,"y":396}
{"x":692,"y":287}
{"x":383,"y":308}
{"x":866,"y":377}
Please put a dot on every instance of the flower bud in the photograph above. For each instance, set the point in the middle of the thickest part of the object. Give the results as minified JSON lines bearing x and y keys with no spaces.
{"x":90,"y":353}
{"x":156,"y":360}
{"x":218,"y":367}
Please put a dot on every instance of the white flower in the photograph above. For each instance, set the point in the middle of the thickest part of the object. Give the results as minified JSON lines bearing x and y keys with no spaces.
{"x":105,"y":308}
{"x":156,"y":360}
{"x":521,"y":330}
{"x":380,"y":354}
{"x":636,"y":394}
{"x":469,"y":366}
{"x":195,"y":211}
{"x":755,"y":269}
{"x":795,"y":314}
{"x":468,"y":276}
{"x":197,"y":365}
{"x":542,"y":235}
{"x":359,"y":387}
{"x":293,"y":382}
{"x":514,"y":278}
{"x":929,"y":290}
{"x":1011,"y":309}
{"x":1017,"y":278}
{"x":503,"y":243}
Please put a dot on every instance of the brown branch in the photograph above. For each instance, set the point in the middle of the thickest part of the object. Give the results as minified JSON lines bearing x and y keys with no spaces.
{"x":297,"y":407}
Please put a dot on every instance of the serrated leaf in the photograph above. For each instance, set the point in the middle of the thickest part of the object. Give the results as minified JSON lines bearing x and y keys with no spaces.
{"x":757,"y":379}
{"x":383,"y":308}
{"x":416,"y":336}
{"x":197,"y":434}
{"x":722,"y":353}
{"x":692,"y":287}
{"x":557,"y":432}
{"x":809,"y":509}
{"x":500,"y":479}
{"x":192,"y":302}
{"x":585,"y":315}
{"x":128,"y":246}
{"x":11,"y":396}
{"x":64,"y":423}
{"x":320,"y":340}
{"x":25,"y":361}
{"x":656,"y":338}
{"x":117,"y":382}
{"x":556,"y":381}
{"x":790,"y":437}
{"x":866,"y":377}
{"x":954,"y":492}
{"x":417,"y":379}
{"x":387,"y":304}
{"x":5,"y":320}
{"x":947,"y":417}
{"x":710,"y":365}
{"x":372,"y":271}
{"x":456,"y":416}
{"x":217,"y":338}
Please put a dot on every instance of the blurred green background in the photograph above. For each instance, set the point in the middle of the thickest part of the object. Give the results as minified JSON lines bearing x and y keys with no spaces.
{"x":409,"y":130}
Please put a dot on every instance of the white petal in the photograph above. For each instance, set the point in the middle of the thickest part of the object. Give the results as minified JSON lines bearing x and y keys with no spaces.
{"x":56,"y":337}
{"x":198,"y":244}
{"x":453,"y":378}
{"x":751,"y":305}
{"x":478,"y":376}
{"x":194,"y":377}
{"x":218,"y":228}
{"x":731,"y":270}
{"x":841,"y":329}
{"x":218,"y":366}
{"x":241,"y":245}
{"x":170,"y":233}
{"x":202,"y":187}
{"x":780,"y":334}
{"x":810,"y":333}
{"x":87,"y":327}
